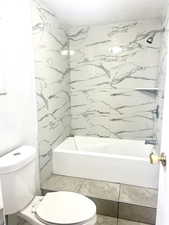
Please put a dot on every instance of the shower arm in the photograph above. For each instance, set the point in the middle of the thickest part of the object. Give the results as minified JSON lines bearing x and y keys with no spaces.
{"x":160,"y":30}
{"x":153,"y":33}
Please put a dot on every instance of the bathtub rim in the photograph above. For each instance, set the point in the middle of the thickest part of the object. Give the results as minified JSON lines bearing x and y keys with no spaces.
{"x":106,"y":155}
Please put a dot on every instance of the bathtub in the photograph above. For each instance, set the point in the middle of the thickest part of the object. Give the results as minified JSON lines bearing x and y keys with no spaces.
{"x":114,"y":160}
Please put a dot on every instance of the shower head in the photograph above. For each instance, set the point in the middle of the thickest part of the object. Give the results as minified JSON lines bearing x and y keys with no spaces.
{"x":150,"y":39}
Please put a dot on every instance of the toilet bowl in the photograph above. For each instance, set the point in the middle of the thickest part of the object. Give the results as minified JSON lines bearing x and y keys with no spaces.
{"x":17,"y":170}
{"x":60,"y":208}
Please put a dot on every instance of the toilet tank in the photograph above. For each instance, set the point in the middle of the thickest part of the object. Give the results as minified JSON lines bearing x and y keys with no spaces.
{"x":17,"y":176}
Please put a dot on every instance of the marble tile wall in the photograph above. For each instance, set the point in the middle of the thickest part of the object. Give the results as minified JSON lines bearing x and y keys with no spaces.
{"x":104,"y":99}
{"x":52,"y":81}
{"x":94,"y":92}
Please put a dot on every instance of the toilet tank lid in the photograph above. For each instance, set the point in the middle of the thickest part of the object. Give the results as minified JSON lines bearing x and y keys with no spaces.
{"x":17,"y":159}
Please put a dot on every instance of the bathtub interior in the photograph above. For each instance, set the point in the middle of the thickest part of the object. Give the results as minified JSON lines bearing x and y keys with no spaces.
{"x":110,"y":146}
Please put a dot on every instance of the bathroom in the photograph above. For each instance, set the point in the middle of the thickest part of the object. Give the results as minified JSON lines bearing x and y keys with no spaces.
{"x":82,"y":90}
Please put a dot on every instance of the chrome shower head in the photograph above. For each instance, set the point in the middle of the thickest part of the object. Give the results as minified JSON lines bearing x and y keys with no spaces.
{"x":150,"y":39}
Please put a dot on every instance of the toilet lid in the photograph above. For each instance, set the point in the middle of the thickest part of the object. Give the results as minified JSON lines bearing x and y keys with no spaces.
{"x":65,"y":208}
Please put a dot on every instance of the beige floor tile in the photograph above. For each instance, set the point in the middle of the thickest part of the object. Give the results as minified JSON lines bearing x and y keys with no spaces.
{"x":138,"y":195}
{"x":127,"y":222}
{"x":100,"y":189}
{"x":62,"y":183}
{"x":106,"y":220}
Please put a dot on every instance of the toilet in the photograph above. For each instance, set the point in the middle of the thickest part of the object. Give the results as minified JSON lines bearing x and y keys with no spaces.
{"x":18,"y":182}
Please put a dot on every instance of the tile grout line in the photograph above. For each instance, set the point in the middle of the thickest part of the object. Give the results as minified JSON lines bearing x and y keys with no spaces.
{"x":118,"y":204}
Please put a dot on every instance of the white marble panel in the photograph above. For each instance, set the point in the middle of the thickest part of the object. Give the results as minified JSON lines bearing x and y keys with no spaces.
{"x":52,"y":82}
{"x":103,"y":97}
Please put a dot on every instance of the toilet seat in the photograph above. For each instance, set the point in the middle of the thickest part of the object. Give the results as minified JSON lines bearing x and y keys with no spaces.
{"x":65,"y":208}
{"x":60,"y":208}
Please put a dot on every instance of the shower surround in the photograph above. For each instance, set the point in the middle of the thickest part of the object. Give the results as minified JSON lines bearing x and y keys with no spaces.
{"x":114,"y":73}
{"x":108,"y":88}
{"x":52,"y":82}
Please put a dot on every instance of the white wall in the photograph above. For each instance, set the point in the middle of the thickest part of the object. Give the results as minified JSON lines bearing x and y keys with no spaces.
{"x":18,"y":122}
{"x":18,"y":119}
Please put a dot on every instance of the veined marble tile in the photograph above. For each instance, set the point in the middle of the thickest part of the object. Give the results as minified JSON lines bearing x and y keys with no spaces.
{"x":100,"y":189}
{"x":45,"y":171}
{"x":138,"y":195}
{"x":90,"y":92}
{"x":62,"y":183}
{"x":137,"y":61}
{"x":52,"y":82}
{"x":132,"y":113}
{"x":45,"y":150}
{"x":127,"y":222}
{"x":106,"y":220}
{"x":91,"y":112}
{"x":137,"y":213}
{"x":120,"y":112}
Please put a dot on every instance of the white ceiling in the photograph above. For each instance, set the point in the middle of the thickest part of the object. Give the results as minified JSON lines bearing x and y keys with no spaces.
{"x":78,"y":12}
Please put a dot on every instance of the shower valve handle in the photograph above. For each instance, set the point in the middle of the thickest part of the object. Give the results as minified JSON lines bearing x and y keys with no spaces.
{"x":155,"y":159}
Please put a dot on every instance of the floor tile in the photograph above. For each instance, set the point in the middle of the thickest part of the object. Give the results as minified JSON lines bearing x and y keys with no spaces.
{"x":137,"y":213}
{"x":106,"y":220}
{"x":112,"y":199}
{"x":100,"y":189}
{"x":138,"y":195}
{"x":62,"y":183}
{"x":106,"y":207}
{"x":127,"y":222}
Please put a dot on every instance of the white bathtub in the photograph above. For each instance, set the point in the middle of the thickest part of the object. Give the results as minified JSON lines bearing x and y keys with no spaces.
{"x":121,"y":161}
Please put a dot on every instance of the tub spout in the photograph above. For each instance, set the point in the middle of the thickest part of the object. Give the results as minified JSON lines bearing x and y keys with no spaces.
{"x":151,"y":142}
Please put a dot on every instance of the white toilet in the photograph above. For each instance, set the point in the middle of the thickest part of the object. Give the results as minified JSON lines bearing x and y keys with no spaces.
{"x":17,"y":174}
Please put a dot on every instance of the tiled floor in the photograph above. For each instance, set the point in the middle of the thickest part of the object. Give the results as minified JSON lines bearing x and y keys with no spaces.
{"x":101,"y":220}
{"x":105,"y":220}
{"x":127,"y":222}
{"x":103,"y":190}
{"x":112,"y":199}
